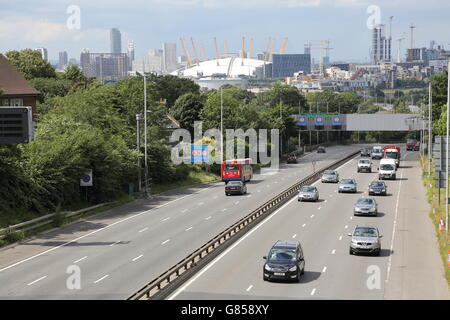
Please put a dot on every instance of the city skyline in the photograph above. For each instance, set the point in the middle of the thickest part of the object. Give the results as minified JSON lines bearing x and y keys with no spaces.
{"x":151,"y":23}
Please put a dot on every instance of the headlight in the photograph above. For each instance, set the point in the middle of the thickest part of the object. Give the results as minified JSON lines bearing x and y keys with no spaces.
{"x":294,"y":268}
{"x":354,"y":241}
{"x":267,"y":268}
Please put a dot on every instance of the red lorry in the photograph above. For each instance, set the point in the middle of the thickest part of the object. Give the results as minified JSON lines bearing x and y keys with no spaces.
{"x":392,"y":152}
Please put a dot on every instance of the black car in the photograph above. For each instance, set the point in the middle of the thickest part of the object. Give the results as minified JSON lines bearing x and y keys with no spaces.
{"x":377,"y":187}
{"x":235,"y":187}
{"x":285,"y":261}
{"x":321,"y":149}
{"x":365,"y":152}
{"x":292,"y":158}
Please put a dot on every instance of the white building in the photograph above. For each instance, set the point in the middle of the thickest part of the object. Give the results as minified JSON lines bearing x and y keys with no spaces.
{"x":43,"y":52}
{"x":170,"y":57}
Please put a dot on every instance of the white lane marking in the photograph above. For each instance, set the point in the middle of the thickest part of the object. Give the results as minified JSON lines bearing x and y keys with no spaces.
{"x":98,"y":230}
{"x":33,"y":282}
{"x":237,"y":202}
{"x":188,"y":229}
{"x":319,"y":208}
{"x":346,"y":226}
{"x":325,"y":201}
{"x":259,"y":190}
{"x":313,"y":291}
{"x":340,"y":238}
{"x":303,"y":225}
{"x":395,"y":225}
{"x":324,"y":269}
{"x":81,"y":259}
{"x":163,"y":243}
{"x":249,"y":196}
{"x":207,"y":218}
{"x":165,"y":219}
{"x":351,"y":218}
{"x":312,"y":216}
{"x":268,"y":186}
{"x":184,"y":210}
{"x":215,"y":197}
{"x":249,"y":288}
{"x":334,"y":251}
{"x":331,"y":195}
{"x":138,"y":257}
{"x":295,"y":235}
{"x":114,"y":243}
{"x":212,"y":263}
{"x":145,"y":229}
{"x":102,"y":278}
{"x":223,"y":210}
{"x":201,"y":203}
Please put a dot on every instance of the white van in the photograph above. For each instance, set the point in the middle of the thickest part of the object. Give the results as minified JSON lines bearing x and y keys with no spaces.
{"x":387,"y":169}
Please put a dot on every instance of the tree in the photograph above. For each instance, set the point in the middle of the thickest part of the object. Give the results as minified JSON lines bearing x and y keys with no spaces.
{"x":171,"y":87}
{"x":286,"y":94}
{"x":210,"y":114}
{"x":31,"y":64}
{"x":73,"y":73}
{"x":187,"y":109}
{"x":439,"y":93}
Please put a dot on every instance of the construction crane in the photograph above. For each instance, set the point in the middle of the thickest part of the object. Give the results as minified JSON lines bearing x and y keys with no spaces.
{"x":283,"y":46}
{"x":250,"y":53}
{"x":323,"y":45}
{"x":243,"y":51}
{"x":400,"y":39}
{"x":186,"y":52}
{"x":216,"y":51}
{"x":195,"y":52}
{"x":271,"y":49}
{"x":266,"y":53}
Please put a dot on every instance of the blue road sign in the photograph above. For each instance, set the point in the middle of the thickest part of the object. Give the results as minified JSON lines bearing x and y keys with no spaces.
{"x":302,"y":120}
{"x":319,"y":120}
{"x":199,"y":153}
{"x":336,"y":121}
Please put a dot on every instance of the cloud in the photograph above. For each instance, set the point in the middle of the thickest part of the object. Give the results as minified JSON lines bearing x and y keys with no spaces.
{"x":31,"y":29}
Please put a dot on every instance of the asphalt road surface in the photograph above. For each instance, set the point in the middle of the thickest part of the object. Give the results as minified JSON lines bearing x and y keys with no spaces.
{"x":113,"y":254}
{"x":408,"y":267}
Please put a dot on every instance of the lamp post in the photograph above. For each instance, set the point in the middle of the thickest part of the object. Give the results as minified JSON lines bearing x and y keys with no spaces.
{"x":446,"y":169}
{"x":221,"y":121}
{"x":145,"y":137}
{"x":430,"y":119}
{"x":138,"y":140}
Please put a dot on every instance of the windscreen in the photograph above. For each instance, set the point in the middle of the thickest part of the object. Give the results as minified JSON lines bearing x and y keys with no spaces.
{"x":347,"y":181}
{"x":364,"y":201}
{"x":365,"y":232}
{"x":307,"y":189}
{"x":282,"y":255}
{"x":391,"y":155}
{"x":231,"y":167}
{"x":386,"y":167}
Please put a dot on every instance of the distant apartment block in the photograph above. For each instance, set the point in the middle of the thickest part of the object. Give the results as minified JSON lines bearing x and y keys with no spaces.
{"x":285,"y":65}
{"x":130,"y":51}
{"x":106,"y":66}
{"x":169,"y":57}
{"x":381,"y":46}
{"x":63,"y":60}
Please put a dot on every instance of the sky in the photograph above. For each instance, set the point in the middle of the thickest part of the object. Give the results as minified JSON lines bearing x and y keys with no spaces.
{"x":71,"y":25}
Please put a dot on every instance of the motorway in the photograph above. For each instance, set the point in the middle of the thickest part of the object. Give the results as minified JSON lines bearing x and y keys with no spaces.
{"x":119,"y":251}
{"x":401,"y":271}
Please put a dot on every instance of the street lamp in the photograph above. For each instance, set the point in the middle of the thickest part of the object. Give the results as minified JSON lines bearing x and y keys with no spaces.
{"x":138,"y":140}
{"x":145,"y":137}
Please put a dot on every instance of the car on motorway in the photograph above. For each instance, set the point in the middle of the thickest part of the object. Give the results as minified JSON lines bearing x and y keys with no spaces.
{"x":364,"y":165}
{"x":365,"y":206}
{"x":377,"y":152}
{"x":412,"y":145}
{"x":365,"y":239}
{"x":235,"y":187}
{"x":292,"y":158}
{"x":365,"y":152}
{"x":285,"y":261}
{"x":330,"y":176}
{"x":347,"y":185}
{"x":308,"y":193}
{"x":386,"y":170}
{"x":377,"y":187}
{"x":321,"y":149}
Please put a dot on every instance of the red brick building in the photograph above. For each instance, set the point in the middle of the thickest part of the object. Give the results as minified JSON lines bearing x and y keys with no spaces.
{"x":16,"y":90}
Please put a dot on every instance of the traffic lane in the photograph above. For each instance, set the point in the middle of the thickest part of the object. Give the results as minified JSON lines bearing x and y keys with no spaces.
{"x":245,"y":261}
{"x":314,"y":251}
{"x":79,"y":254}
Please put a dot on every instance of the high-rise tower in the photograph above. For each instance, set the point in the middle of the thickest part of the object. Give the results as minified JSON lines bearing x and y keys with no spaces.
{"x":116,"y":41}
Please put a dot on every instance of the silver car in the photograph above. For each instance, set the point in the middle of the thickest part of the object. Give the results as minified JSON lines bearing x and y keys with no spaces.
{"x":364,"y":165}
{"x":308,"y":193}
{"x":330,"y":176}
{"x":365,"y":240}
{"x":347,"y":185}
{"x":366,"y":206}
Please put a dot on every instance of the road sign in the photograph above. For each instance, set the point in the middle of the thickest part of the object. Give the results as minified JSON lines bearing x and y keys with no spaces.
{"x":440,"y":153}
{"x":319,"y":120}
{"x":199,"y":153}
{"x":86,"y":180}
{"x":302,"y":121}
{"x":336,"y":121}
{"x":16,"y":125}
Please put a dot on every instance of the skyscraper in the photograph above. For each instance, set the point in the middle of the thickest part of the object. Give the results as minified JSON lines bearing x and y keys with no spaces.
{"x":381,"y":46}
{"x":130,"y":53}
{"x":63,"y":60}
{"x":43,"y":52}
{"x":169,"y":57}
{"x":116,"y":41}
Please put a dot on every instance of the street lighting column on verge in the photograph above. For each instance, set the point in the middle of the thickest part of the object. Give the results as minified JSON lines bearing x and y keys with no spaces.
{"x":138,"y":140}
{"x":430,"y":119}
{"x":145,"y":137}
{"x":221,"y":122}
{"x":446,"y":169}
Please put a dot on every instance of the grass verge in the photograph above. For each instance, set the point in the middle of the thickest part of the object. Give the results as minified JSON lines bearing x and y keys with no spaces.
{"x":437,"y":213}
{"x":194,"y":177}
